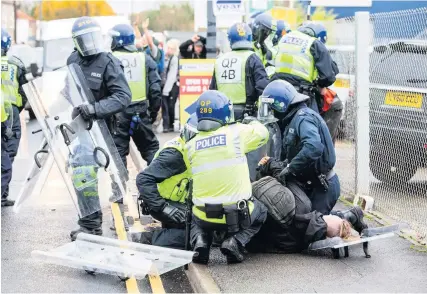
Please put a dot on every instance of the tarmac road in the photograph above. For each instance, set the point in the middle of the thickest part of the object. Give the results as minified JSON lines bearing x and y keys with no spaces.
{"x":44,"y":223}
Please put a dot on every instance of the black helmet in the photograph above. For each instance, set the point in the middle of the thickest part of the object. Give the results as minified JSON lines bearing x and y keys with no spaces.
{"x":262,"y":26}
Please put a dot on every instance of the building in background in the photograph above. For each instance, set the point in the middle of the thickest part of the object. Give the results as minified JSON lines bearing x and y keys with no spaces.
{"x":8,"y":17}
{"x":26,"y":29}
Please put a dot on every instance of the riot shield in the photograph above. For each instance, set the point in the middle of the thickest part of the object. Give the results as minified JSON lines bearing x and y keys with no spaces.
{"x":273,"y":148}
{"x":97,"y":254}
{"x":84,"y":151}
{"x":36,"y":176}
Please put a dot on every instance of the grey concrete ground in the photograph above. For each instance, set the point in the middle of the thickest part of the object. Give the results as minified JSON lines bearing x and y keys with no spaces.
{"x":45,"y":223}
{"x":393,"y":267}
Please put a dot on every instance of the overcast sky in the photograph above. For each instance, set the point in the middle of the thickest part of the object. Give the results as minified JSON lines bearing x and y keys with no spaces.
{"x":126,"y":6}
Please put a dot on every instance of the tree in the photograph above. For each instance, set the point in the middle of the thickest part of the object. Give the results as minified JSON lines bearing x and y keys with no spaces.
{"x":178,"y":17}
{"x":70,"y":9}
{"x":319,"y":14}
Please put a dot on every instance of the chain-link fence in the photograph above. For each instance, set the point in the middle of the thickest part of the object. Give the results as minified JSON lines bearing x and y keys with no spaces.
{"x":397,"y":122}
{"x":398,"y":116}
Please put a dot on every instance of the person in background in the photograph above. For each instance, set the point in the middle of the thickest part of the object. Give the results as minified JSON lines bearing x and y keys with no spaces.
{"x":240,"y":74}
{"x":195,"y":48}
{"x":262,"y":28}
{"x":144,"y":82}
{"x":12,"y":78}
{"x":304,"y":61}
{"x":170,"y":86}
{"x":150,"y":45}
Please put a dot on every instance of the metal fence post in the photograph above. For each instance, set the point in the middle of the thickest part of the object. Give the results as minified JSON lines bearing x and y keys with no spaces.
{"x":362,"y":101}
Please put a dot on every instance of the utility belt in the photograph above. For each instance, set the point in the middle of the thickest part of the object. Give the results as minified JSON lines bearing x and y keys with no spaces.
{"x":237,"y":215}
{"x":323,"y":180}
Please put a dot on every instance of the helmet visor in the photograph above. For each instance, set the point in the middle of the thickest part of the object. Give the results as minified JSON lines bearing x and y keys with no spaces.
{"x":188,"y":132}
{"x":265,"y":112}
{"x":90,"y":43}
{"x":231,"y":118}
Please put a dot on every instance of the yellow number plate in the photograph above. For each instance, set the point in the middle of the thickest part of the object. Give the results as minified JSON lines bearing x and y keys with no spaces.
{"x":342,"y":83}
{"x":405,"y":99}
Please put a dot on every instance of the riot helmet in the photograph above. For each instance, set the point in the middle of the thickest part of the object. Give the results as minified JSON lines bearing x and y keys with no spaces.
{"x":282,"y":29}
{"x":315,"y":30}
{"x":262,"y":27}
{"x":240,"y":36}
{"x":87,"y":36}
{"x":6,"y":41}
{"x":278,"y":96}
{"x":213,"y":110}
{"x":123,"y":36}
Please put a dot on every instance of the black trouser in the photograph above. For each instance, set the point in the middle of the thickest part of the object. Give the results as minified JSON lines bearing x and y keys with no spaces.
{"x":321,"y":200}
{"x":12,"y":144}
{"x":332,"y":117}
{"x":165,"y":237}
{"x":201,"y":227}
{"x":143,"y":135}
{"x":168,"y":111}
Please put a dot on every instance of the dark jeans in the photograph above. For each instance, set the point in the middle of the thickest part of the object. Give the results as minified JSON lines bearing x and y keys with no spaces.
{"x":12,"y":144}
{"x":6,"y":169}
{"x":258,"y":216}
{"x":324,"y":201}
{"x":168,"y":111}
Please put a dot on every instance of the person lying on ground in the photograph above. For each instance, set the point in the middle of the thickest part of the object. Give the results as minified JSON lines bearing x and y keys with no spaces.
{"x":292,"y":225}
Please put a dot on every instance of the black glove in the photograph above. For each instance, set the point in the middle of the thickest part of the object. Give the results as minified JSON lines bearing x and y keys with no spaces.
{"x":87,"y":111}
{"x":247,"y":119}
{"x":153,"y":117}
{"x":249,"y":110}
{"x":174,"y":214}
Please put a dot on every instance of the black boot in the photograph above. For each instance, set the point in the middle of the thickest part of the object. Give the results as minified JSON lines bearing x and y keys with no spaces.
{"x":74,"y":233}
{"x":202,"y":247}
{"x":231,"y":249}
{"x":355,"y":217}
{"x":7,"y":202}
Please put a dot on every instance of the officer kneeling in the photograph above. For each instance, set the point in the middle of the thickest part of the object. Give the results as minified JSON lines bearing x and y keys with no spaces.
{"x":221,"y":187}
{"x":308,"y":150}
{"x":163,"y":186}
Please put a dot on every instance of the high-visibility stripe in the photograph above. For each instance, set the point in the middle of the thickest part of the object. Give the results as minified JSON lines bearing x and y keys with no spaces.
{"x":293,"y":66}
{"x":229,"y":199}
{"x":219,"y":164}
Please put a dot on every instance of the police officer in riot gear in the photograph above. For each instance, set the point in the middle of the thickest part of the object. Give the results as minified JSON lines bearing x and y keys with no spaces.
{"x":216,"y":155}
{"x":304,"y":61}
{"x":163,"y":187}
{"x":240,"y":74}
{"x":308,"y":150}
{"x":107,"y":82}
{"x":145,"y":85}
{"x":12,"y":78}
{"x":282,"y":28}
{"x":263,"y":27}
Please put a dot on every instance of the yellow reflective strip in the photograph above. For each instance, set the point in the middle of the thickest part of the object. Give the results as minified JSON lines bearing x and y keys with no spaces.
{"x":218,"y":164}
{"x":131,"y":285}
